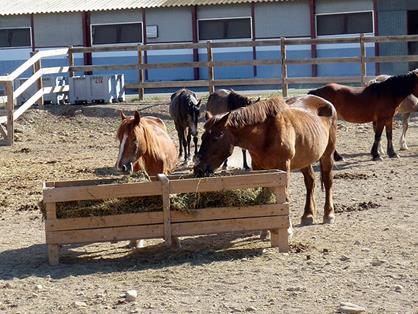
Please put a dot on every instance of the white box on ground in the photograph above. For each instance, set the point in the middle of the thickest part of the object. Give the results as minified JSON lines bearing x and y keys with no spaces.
{"x":47,"y":81}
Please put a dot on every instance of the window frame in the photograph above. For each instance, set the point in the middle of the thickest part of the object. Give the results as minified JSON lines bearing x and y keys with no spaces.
{"x":348,"y":34}
{"x":18,"y":47}
{"x":225,"y":18}
{"x":117,"y":23}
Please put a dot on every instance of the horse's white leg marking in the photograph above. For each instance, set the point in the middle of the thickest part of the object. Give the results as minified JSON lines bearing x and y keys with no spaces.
{"x":121,"y":150}
{"x":402,"y":141}
{"x":380,"y":149}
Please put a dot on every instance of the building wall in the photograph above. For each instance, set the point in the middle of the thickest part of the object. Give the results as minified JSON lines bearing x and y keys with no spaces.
{"x":215,"y":11}
{"x":15,"y":21}
{"x":122,"y":16}
{"x":174,"y":24}
{"x":278,"y":19}
{"x":58,"y":30}
{"x":332,"y":6}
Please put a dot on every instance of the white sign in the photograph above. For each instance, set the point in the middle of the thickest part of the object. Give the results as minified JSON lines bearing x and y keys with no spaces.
{"x":152,"y":31}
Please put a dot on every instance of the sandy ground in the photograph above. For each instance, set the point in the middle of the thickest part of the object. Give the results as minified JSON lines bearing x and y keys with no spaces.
{"x":368,"y":257}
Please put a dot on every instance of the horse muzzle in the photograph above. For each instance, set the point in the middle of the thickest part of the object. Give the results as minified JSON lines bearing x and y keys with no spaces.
{"x":202,"y":170}
{"x":125,"y":168}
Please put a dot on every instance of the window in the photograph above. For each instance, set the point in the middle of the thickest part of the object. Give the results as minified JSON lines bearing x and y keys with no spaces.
{"x":344,"y":23}
{"x":234,"y":28}
{"x":116,"y":33}
{"x":15,"y":37}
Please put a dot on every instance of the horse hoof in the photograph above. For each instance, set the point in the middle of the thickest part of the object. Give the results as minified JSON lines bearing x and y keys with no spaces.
{"x":307,"y":221}
{"x":377,"y":158}
{"x":329,"y":220}
{"x":403,"y":148}
{"x":394,"y":156}
{"x":339,"y":158}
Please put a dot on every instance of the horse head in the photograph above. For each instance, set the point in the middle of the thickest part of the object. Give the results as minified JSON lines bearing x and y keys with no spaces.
{"x":237,"y":101}
{"x":217,"y":145}
{"x":131,"y":142}
{"x":193,"y":113}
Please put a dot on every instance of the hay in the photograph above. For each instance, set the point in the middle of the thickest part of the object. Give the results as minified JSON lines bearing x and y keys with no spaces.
{"x":184,"y":202}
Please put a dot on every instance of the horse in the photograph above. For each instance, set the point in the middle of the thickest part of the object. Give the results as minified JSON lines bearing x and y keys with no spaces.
{"x":185,"y":111}
{"x":375,"y":103}
{"x":222,"y":101}
{"x":144,"y":144}
{"x":277,"y":136}
{"x":406,"y":107}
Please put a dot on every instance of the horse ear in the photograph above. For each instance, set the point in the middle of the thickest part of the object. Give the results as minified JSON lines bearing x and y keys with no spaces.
{"x":208,"y":115}
{"x":122,"y":115}
{"x":224,"y":119}
{"x":257,"y":100}
{"x":198,"y":103}
{"x":137,"y":118}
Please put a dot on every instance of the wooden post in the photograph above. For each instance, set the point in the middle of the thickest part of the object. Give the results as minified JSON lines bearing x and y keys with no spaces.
{"x":284,"y":66}
{"x":280,"y":237}
{"x":53,"y":249}
{"x":165,"y":187}
{"x":210,"y":68}
{"x":363,"y":60}
{"x":141,"y":73}
{"x":10,"y":109}
{"x":39,"y":84}
{"x":70,"y":58}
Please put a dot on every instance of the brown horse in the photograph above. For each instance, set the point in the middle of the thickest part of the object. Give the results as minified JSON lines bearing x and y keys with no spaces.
{"x":376,"y":103}
{"x":145,"y":145}
{"x":277,"y":136}
{"x":222,"y":101}
{"x":406,"y":107}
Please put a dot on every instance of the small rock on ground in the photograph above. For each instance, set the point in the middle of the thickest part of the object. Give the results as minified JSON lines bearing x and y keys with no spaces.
{"x":131,"y":295}
{"x":347,"y":307}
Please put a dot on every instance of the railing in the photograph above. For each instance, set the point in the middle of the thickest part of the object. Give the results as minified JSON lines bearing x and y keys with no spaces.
{"x":211,"y":82}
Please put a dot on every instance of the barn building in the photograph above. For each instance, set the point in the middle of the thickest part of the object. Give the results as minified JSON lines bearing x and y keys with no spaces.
{"x":28,"y":25}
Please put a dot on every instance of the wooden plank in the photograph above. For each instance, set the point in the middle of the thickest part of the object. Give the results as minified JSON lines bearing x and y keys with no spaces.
{"x":319,"y":41}
{"x":3,"y":132}
{"x":247,"y":82}
{"x":104,"y":67}
{"x":197,"y":83}
{"x":53,"y":52}
{"x":141,"y":74}
{"x":165,"y":192}
{"x":386,"y":39}
{"x":227,"y":183}
{"x":96,"y":222}
{"x":211,"y":70}
{"x":38,"y":67}
{"x":55,"y":70}
{"x":105,"y":234}
{"x":19,"y":111}
{"x":173,"y":65}
{"x":323,"y":79}
{"x":98,"y":192}
{"x":245,"y":63}
{"x":22,"y":88}
{"x":60,"y":184}
{"x":323,"y":60}
{"x":150,"y":218}
{"x":107,"y":48}
{"x":384,"y":59}
{"x":362,"y":61}
{"x":280,"y":238}
{"x":70,"y":58}
{"x":10,"y":109}
{"x":229,"y":225}
{"x":51,"y":211}
{"x":284,"y":66}
{"x":25,"y":66}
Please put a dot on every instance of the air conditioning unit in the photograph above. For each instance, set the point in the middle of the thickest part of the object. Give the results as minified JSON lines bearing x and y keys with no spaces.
{"x":80,"y":91}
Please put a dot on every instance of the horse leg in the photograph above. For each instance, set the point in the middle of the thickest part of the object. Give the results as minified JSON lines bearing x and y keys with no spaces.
{"x":244,"y":158}
{"x":136,"y":244}
{"x":326,"y":164}
{"x":179,"y":133}
{"x":337,"y":156}
{"x":225,"y":164}
{"x":380,"y":148}
{"x":405,"y":121}
{"x":377,"y":136}
{"x":189,"y":139}
{"x":195,"y":139}
{"x":310,"y":206}
{"x":186,"y":156}
{"x":391,"y":151}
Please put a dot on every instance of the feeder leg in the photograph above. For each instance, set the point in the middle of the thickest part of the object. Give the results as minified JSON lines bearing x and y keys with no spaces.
{"x":53,"y":254}
{"x":280,"y":239}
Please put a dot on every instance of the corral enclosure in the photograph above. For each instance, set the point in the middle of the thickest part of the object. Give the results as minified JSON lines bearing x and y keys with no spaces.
{"x":367,"y":257}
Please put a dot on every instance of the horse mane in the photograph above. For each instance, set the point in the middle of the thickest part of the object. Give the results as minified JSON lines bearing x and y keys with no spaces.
{"x":252,"y":114}
{"x":399,"y":85}
{"x":236,"y":101}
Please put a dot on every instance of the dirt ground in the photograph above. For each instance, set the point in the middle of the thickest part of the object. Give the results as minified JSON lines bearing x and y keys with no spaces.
{"x":368,"y":257}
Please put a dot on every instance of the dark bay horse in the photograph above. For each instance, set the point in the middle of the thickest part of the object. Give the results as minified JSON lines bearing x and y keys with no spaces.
{"x":277,"y":136}
{"x":406,"y":107}
{"x":185,"y":111}
{"x":144,"y":144}
{"x":375,"y":103}
{"x":222,"y":101}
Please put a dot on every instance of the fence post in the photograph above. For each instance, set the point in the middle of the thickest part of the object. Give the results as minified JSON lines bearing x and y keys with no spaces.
{"x":39,"y":84}
{"x":70,"y":58}
{"x":362,"y":60}
{"x":10,"y":109}
{"x":210,"y":68}
{"x":284,"y":66}
{"x":141,"y":73}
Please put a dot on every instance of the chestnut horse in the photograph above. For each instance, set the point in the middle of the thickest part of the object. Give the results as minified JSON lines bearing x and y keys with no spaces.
{"x":145,"y":145}
{"x":406,"y":107}
{"x":277,"y":136}
{"x":375,"y":103}
{"x":222,"y":101}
